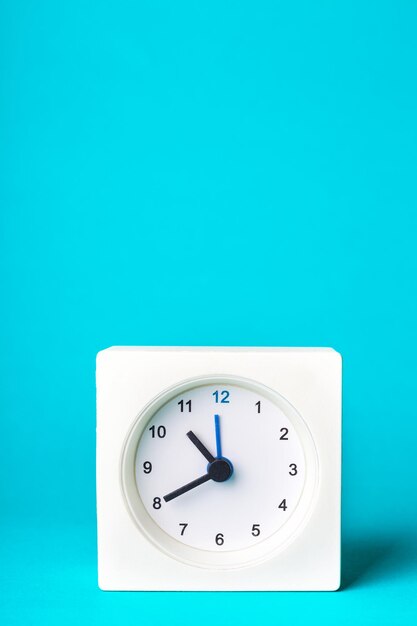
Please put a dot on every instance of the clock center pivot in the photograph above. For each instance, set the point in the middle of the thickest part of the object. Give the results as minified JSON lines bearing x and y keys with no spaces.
{"x":220,"y":470}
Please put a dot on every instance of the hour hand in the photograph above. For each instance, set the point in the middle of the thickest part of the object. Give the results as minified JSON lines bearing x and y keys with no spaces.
{"x":200,"y":446}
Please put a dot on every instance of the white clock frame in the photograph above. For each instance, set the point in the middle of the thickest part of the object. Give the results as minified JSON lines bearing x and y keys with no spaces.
{"x":133,"y":553}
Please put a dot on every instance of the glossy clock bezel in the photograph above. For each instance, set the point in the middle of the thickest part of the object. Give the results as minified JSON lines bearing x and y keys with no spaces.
{"x":204,"y":558}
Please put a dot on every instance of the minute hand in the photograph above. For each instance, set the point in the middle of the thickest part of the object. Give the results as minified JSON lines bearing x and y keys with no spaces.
{"x":187,"y":487}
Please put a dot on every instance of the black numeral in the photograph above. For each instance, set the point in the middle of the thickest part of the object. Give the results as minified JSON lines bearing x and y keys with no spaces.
{"x":184,"y":526}
{"x":255,"y":530}
{"x":160,"y":432}
{"x":147,"y":467}
{"x":293,"y":469}
{"x":157,"y":503}
{"x":219,"y":539}
{"x":182,"y":404}
{"x":258,"y":404}
{"x":284,"y":432}
{"x":283,"y":505}
{"x":221,"y":396}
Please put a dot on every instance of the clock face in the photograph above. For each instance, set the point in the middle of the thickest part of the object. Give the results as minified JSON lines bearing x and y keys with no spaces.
{"x":219,"y":465}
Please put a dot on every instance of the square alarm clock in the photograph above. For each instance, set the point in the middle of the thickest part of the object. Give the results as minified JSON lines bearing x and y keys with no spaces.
{"x":218,"y":468}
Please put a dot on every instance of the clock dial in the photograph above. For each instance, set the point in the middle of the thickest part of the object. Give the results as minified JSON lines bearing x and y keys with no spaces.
{"x":220,"y":467}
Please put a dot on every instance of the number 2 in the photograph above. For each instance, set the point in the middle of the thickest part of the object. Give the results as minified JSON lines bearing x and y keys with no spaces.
{"x":284,"y":432}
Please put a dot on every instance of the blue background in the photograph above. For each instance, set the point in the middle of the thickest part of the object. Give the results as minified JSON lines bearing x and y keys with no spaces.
{"x":221,"y":173}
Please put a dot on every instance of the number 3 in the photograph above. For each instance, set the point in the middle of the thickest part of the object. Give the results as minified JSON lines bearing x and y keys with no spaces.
{"x":293,"y":469}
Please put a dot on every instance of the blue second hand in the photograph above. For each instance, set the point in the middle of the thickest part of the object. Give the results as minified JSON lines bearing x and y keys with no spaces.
{"x":218,"y":441}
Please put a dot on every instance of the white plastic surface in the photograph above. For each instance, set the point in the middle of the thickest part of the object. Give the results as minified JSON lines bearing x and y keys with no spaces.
{"x":131,"y":553}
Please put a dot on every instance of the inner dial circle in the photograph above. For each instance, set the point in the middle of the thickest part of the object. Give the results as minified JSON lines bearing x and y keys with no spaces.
{"x":260,"y":479}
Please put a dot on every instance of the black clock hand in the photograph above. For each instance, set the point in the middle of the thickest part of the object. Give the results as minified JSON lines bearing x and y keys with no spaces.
{"x":200,"y":446}
{"x":219,"y":471}
{"x":187,"y":487}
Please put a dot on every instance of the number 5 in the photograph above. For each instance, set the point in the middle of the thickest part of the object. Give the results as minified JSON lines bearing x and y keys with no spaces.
{"x":255,"y":530}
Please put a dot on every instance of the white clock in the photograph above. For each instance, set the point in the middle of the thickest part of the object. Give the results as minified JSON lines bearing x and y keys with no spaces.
{"x":218,"y":468}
